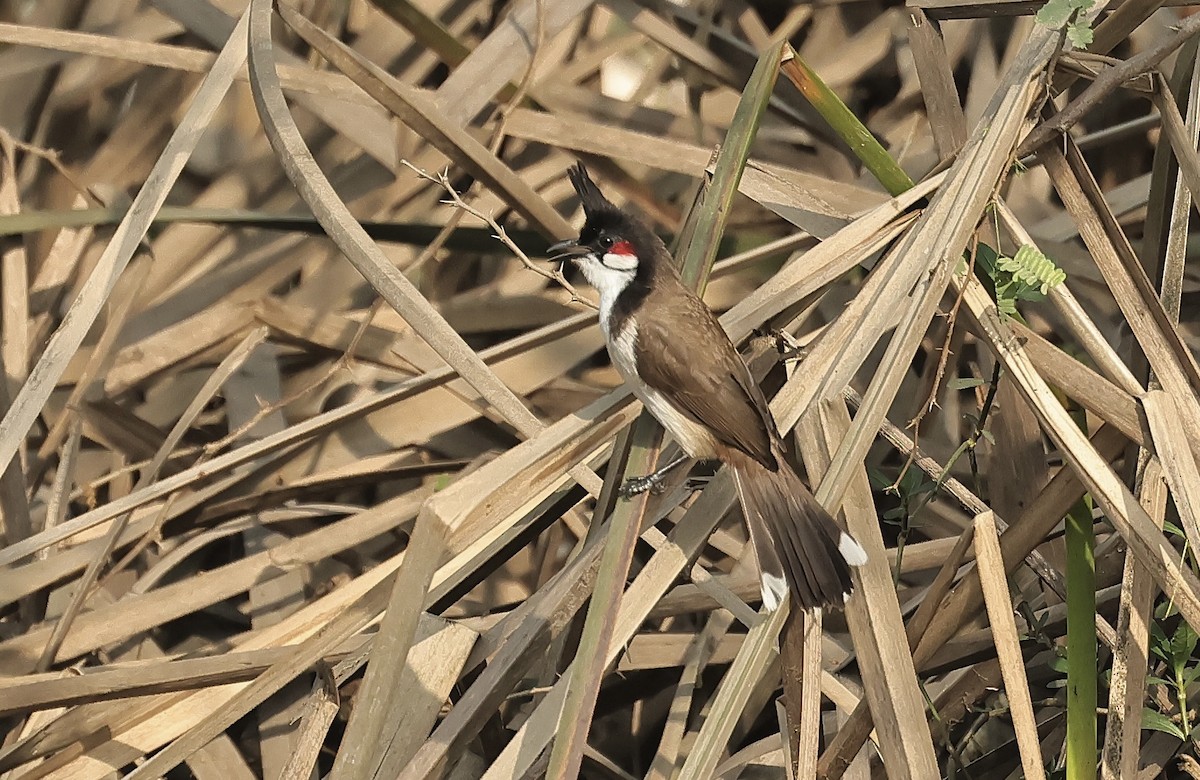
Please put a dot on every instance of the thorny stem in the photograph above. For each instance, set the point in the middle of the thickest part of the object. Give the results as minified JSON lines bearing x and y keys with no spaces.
{"x":498,"y":136}
{"x":988,"y":402}
{"x":968,"y":446}
{"x":1108,"y":81}
{"x":939,"y":372}
{"x":931,"y":467}
{"x":938,"y":375}
{"x":944,"y":352}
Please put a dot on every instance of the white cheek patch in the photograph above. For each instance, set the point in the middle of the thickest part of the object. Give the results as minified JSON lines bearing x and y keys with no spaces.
{"x":621,"y":262}
{"x":608,"y":281}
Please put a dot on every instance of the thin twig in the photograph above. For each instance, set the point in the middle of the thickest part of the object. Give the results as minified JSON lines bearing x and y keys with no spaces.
{"x":938,"y":374}
{"x":1105,"y":84}
{"x":442,"y":179}
{"x":497,"y":140}
{"x":54,"y":158}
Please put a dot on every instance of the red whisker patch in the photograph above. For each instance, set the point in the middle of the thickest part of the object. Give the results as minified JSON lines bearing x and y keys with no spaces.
{"x":622,"y":248}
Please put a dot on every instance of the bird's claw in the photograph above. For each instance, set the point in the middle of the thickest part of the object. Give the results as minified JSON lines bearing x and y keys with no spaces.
{"x":635,"y":486}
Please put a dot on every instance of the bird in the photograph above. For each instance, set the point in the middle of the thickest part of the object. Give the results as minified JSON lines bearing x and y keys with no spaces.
{"x":680,"y":363}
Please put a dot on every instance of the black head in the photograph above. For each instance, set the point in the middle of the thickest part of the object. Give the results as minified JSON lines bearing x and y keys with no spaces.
{"x":617,"y":252}
{"x":607,"y":229}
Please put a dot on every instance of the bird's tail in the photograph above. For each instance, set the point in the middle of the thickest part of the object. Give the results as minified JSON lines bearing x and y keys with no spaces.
{"x":798,"y":544}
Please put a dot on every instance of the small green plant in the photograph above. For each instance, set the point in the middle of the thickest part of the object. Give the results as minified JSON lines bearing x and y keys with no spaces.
{"x":1028,"y":275}
{"x":1059,"y":664}
{"x":914,"y":490}
{"x":1068,"y":15}
{"x":1178,"y":653}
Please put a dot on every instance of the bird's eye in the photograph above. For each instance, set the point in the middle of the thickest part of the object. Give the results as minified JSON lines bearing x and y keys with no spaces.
{"x":606,"y":242}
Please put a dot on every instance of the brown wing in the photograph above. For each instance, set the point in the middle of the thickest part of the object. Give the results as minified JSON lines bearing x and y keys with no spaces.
{"x":714,"y":386}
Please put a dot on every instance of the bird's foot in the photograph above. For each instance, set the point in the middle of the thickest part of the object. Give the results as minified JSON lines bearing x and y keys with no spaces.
{"x":635,"y":486}
{"x":652,"y":482}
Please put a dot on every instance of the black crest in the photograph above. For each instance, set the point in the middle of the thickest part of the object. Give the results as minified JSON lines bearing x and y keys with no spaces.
{"x":594,"y":202}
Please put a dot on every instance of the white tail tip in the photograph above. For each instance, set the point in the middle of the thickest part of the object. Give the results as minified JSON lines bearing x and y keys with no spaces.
{"x":774,"y":591}
{"x":851,"y":550}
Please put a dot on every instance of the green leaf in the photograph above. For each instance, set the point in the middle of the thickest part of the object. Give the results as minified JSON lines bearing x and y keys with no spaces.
{"x":912,"y":481}
{"x":985,"y":260}
{"x":879,"y":480}
{"x":1183,"y":642}
{"x":965,"y":382}
{"x":1159,"y":645}
{"x":1080,"y":35}
{"x":927,"y":486}
{"x":1055,"y":13}
{"x":1033,"y":268}
{"x":1156,"y":721}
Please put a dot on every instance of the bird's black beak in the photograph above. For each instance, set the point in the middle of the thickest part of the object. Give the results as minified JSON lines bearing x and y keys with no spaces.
{"x":566,"y":250}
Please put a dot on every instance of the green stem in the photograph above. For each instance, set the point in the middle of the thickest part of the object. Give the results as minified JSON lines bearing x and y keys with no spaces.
{"x":700,"y":239}
{"x":846,"y":124}
{"x":1181,"y":695}
{"x":1081,"y":639}
{"x":901,"y":543}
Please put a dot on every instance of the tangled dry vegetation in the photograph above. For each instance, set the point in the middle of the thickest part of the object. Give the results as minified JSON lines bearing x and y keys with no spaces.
{"x":307,"y":472}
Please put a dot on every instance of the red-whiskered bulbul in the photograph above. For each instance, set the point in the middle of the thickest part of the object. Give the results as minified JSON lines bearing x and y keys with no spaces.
{"x":680,"y":363}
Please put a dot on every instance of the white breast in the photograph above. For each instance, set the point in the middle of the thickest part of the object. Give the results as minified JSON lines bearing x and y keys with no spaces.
{"x":692,"y":437}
